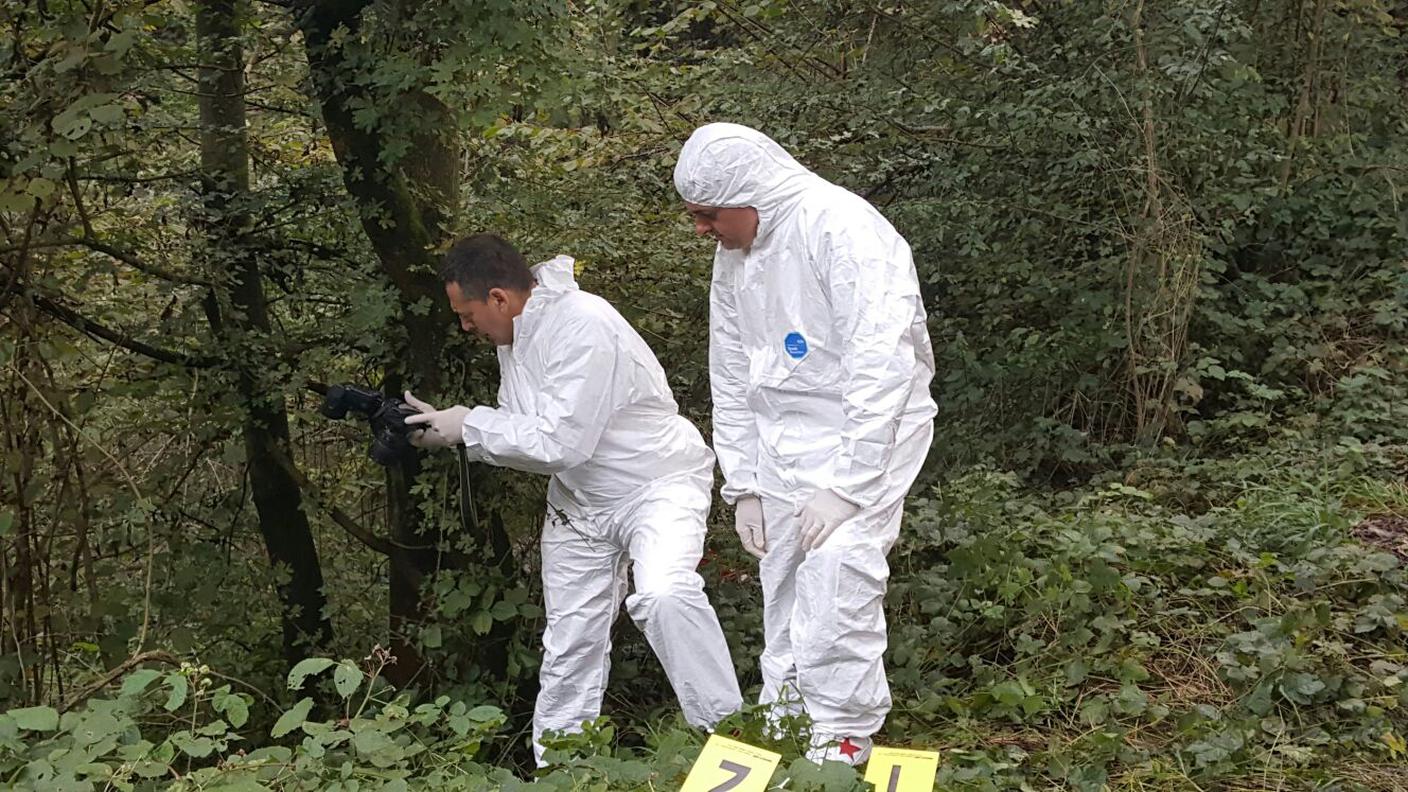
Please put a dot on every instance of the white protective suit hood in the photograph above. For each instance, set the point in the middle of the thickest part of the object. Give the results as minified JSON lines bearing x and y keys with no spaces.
{"x":555,"y":278}
{"x":730,"y":165}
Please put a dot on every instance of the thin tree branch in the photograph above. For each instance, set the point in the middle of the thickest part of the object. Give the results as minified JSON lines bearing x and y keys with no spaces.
{"x":118,"y":254}
{"x":342,"y":518}
{"x":17,"y":271}
{"x":71,"y":178}
{"x":130,"y":663}
{"x":138,"y":179}
{"x":90,"y":328}
{"x":132,"y":261}
{"x":361,"y":534}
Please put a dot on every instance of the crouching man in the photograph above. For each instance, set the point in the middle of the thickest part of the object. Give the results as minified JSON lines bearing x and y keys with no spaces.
{"x":582,"y":399}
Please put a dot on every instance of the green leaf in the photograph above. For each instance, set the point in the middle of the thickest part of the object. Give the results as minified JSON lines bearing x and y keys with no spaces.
{"x":148,"y":769}
{"x":179,"y":688}
{"x":232,"y":706}
{"x":138,"y":681}
{"x":73,"y":127}
{"x":40,"y":188}
{"x":15,"y":202}
{"x":1009,"y":693}
{"x":347,"y":678}
{"x":1095,"y":711}
{"x":95,"y":726}
{"x":108,"y":114}
{"x":36,"y":718}
{"x":198,"y":747}
{"x":121,"y":41}
{"x":292,"y":719}
{"x":1301,"y":687}
{"x":431,"y":637}
{"x":59,"y":147}
{"x":1076,"y":672}
{"x":377,"y":747}
{"x":305,"y":669}
{"x":484,"y":712}
{"x":482,"y":622}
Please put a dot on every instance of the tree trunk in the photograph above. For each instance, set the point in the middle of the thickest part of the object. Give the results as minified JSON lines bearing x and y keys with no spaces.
{"x":402,"y":230}
{"x":239,"y":315}
{"x":405,"y":208}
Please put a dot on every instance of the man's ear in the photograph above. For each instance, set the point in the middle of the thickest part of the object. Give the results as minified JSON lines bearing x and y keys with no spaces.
{"x":498,"y":298}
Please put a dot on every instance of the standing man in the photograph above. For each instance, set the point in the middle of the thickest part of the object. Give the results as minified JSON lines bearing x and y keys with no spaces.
{"x":583,"y":400}
{"x":819,"y":361}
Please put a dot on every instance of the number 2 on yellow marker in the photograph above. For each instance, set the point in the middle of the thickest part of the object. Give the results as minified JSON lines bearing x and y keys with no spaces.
{"x":730,"y":766}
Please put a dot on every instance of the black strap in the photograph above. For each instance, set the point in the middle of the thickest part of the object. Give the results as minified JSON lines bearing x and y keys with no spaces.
{"x":469,"y":516}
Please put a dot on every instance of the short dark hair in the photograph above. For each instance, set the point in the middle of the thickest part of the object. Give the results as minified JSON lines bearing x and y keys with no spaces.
{"x":482,"y":262}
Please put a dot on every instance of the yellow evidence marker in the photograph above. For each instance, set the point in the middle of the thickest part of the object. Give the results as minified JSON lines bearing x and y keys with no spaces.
{"x":726,"y":765}
{"x":901,"y":770}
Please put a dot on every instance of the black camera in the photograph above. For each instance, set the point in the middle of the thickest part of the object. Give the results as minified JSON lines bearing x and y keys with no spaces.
{"x":391,"y":437}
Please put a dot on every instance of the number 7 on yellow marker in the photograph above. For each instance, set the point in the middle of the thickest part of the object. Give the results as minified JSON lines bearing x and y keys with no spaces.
{"x":730,"y":766}
{"x":899,"y":770}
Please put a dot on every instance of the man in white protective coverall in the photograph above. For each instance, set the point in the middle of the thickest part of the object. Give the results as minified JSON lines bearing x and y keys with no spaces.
{"x":820,"y":363}
{"x":583,"y":399}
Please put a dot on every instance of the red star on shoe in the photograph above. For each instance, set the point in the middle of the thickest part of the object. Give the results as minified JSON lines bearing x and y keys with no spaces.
{"x":848,"y":749}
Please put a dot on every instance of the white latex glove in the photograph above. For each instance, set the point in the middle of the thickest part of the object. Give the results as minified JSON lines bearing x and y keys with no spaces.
{"x":442,"y":428}
{"x":821,"y":516}
{"x":748,"y":522}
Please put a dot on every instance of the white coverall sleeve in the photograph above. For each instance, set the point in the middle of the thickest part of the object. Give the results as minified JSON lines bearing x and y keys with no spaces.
{"x":735,"y":430}
{"x":875,"y":300}
{"x":571,"y":409}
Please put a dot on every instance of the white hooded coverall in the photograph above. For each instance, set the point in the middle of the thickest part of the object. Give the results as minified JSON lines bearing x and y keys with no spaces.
{"x":820,"y":364}
{"x":583,"y":399}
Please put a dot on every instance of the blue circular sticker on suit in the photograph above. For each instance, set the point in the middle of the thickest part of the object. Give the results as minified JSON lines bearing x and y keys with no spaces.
{"x":795,"y":345}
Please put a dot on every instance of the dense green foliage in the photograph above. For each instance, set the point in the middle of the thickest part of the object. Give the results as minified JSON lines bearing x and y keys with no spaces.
{"x":1178,"y":629}
{"x":1163,"y":248}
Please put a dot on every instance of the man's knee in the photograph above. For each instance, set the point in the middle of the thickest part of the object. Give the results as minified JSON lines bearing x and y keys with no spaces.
{"x":574,"y":641}
{"x":663,"y":598}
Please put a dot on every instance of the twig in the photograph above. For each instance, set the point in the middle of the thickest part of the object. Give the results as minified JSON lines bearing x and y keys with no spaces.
{"x":78,"y":206}
{"x":12,"y":287}
{"x":89,"y":327}
{"x":136,"y":493}
{"x":159,"y":656}
{"x":343,"y":519}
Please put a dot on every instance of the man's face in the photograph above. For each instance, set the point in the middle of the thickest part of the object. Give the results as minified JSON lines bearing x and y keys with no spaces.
{"x":734,"y":227}
{"x":491,"y":317}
